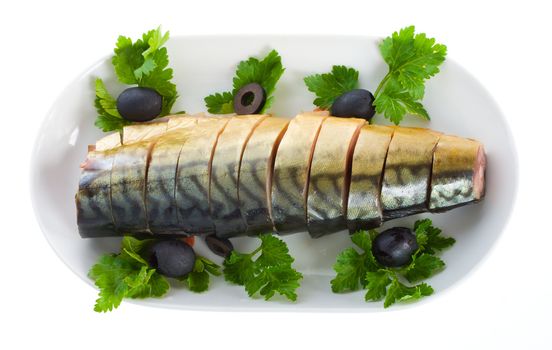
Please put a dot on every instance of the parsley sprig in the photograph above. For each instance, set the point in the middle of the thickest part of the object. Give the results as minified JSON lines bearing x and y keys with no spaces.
{"x":330,"y":86}
{"x":265,"y":72}
{"x":412,"y":59}
{"x":143,"y":63}
{"x":271,"y":272}
{"x":356,"y":270}
{"x":128,"y":275}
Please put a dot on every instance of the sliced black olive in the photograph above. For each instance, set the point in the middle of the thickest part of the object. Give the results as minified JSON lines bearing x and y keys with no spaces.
{"x":220,"y":246}
{"x":172,"y":258}
{"x":394,"y":247}
{"x":250,"y":99}
{"x":355,"y":103}
{"x":139,"y":104}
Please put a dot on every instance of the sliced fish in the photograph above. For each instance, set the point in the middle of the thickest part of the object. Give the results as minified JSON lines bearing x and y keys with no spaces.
{"x":192,"y":177}
{"x":225,"y":168}
{"x":94,"y":217}
{"x":128,"y":187}
{"x":407,"y":172}
{"x":458,"y":175}
{"x":256,"y":172}
{"x":161,"y":177}
{"x":329,"y":175}
{"x":232,"y":175}
{"x":291,"y":172}
{"x":364,"y":206}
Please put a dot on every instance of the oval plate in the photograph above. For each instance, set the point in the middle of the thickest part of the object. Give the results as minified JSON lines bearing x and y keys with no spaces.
{"x":457,"y":103}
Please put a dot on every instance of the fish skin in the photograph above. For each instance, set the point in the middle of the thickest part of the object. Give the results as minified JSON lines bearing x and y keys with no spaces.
{"x":364,"y":209}
{"x":94,"y":218}
{"x":112,"y":189}
{"x":108,"y":142}
{"x":452,"y":180}
{"x":407,"y":172}
{"x":327,"y":190}
{"x":224,"y":204}
{"x":161,"y":177}
{"x":192,"y":177}
{"x":291,"y":173}
{"x":128,"y":187}
{"x":143,"y":132}
{"x":255,"y":173}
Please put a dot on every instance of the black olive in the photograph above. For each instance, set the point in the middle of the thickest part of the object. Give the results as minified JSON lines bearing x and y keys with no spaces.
{"x":220,"y":246}
{"x":355,"y":103}
{"x":250,"y":99}
{"x":394,"y":247}
{"x":172,"y":258}
{"x":139,"y":104}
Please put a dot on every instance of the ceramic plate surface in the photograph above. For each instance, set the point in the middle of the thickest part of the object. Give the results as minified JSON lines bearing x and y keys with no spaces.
{"x":457,"y":103}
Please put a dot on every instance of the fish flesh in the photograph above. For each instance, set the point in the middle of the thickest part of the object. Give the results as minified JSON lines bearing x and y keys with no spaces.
{"x":244,"y":175}
{"x":327,"y":193}
{"x":224,"y":205}
{"x":255,"y":170}
{"x":364,"y":210}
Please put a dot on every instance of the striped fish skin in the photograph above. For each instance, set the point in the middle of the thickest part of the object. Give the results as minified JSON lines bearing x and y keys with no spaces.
{"x":394,"y":172}
{"x":255,"y":174}
{"x":224,"y":203}
{"x":291,"y":173}
{"x":407,"y":172}
{"x":93,"y":202}
{"x":364,"y":209}
{"x":329,"y":174}
{"x":128,"y":187}
{"x":192,"y":177}
{"x":161,"y":177}
{"x":458,"y":174}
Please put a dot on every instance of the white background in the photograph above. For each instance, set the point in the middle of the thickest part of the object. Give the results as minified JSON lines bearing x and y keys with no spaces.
{"x":505,"y":303}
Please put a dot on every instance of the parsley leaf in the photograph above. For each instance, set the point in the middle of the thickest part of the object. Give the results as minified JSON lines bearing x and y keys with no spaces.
{"x":118,"y":276}
{"x":198,"y":280}
{"x":270,"y":273}
{"x":423,"y":266}
{"x":351,"y":267}
{"x":265,"y":72}
{"x":412,"y":59}
{"x":376,"y":285}
{"x":220,"y":103}
{"x":394,"y":102}
{"x":429,"y":238}
{"x":329,"y":86}
{"x":355,"y":270}
{"x":397,"y":291}
{"x":143,"y":63}
{"x":108,"y":118}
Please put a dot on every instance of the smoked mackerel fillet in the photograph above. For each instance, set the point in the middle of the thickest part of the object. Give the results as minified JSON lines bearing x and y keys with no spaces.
{"x":244,"y":175}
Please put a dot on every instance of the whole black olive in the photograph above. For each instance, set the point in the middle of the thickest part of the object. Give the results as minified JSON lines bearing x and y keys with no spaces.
{"x":355,"y":103}
{"x":220,"y":246}
{"x":250,"y":99}
{"x":139,"y":104}
{"x":172,"y":258}
{"x":394,"y":247}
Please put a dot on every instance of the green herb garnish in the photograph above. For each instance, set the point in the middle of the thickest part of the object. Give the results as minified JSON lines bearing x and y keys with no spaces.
{"x":361,"y":270}
{"x":128,"y":275}
{"x":142,"y":63}
{"x":271,"y":272}
{"x":330,"y":86}
{"x":412,"y":59}
{"x":198,"y":280}
{"x":266,"y":72}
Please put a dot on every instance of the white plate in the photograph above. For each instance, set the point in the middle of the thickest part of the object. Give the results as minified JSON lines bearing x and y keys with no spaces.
{"x":457,"y":103}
